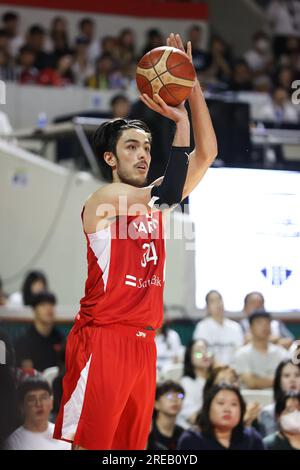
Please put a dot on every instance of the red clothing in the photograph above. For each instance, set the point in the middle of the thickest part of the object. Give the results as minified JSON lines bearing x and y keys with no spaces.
{"x":110,"y":380}
{"x":51,"y":77}
{"x":125,"y":273}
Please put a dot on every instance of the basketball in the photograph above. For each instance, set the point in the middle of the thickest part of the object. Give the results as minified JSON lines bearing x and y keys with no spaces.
{"x":168,"y":72}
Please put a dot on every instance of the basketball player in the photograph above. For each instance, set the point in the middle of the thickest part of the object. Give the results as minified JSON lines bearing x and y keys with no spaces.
{"x":109,"y":386}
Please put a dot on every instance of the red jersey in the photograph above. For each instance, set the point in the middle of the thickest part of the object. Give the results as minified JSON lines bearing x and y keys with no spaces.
{"x":126,"y":273}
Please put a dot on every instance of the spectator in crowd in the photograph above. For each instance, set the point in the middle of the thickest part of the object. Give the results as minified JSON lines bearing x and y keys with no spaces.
{"x":35,"y":39}
{"x":223,"y":336}
{"x":60,"y":38}
{"x":120,"y":106}
{"x":81,"y":68}
{"x":126,"y":47}
{"x":11,"y":22}
{"x":201,"y":59}
{"x":106,"y":76}
{"x":241,"y":77}
{"x":219,"y":70}
{"x":8,"y":401}
{"x":87,"y":31}
{"x":262,"y":84}
{"x":154,"y":39}
{"x":61,"y":75}
{"x":169,"y":347}
{"x":291,"y":56}
{"x":279,"y":332}
{"x":259,"y":57}
{"x":26,"y":72}
{"x":109,"y":45}
{"x":220,"y":424}
{"x":35,"y":402}
{"x":280,"y":16}
{"x":287,"y":410}
{"x":198,"y":363}
{"x":168,"y":402}
{"x":284,"y":79}
{"x":287,"y":379}
{"x":34,"y":282}
{"x":3,"y":296}
{"x":280,"y":110}
{"x":40,"y":346}
{"x":256,"y":362}
{"x":219,"y":375}
{"x":225,"y":374}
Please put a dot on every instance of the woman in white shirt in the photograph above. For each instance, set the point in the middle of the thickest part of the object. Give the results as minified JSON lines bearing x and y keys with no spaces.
{"x":198,"y":364}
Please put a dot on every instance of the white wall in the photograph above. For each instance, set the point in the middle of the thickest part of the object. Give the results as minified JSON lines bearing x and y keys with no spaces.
{"x":25,"y":102}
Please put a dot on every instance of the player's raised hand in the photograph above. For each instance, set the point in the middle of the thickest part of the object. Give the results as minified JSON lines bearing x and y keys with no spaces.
{"x":175,"y":113}
{"x":174,"y":40}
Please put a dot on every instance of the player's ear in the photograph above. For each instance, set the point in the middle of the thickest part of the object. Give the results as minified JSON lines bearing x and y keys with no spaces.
{"x":110,"y":159}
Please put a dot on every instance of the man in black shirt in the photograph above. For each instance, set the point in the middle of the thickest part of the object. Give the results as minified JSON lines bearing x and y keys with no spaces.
{"x":39,"y":348}
{"x":168,"y":403}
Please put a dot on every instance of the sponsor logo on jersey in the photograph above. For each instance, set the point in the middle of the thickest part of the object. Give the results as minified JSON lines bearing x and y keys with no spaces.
{"x":142,"y":283}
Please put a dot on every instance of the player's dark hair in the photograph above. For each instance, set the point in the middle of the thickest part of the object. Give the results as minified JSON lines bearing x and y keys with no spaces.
{"x":106,"y":138}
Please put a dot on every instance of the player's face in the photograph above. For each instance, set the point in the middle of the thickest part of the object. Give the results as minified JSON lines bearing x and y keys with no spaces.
{"x":133,"y":157}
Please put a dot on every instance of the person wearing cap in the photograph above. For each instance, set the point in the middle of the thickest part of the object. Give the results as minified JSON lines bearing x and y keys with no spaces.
{"x":280,"y":334}
{"x":40,"y":346}
{"x":256,"y":361}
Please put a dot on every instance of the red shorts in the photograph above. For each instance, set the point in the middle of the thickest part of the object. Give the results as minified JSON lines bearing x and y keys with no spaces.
{"x":108,"y":388}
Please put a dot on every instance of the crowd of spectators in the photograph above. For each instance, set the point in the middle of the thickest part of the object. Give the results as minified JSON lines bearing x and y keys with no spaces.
{"x":49,"y":56}
{"x":203,"y":408}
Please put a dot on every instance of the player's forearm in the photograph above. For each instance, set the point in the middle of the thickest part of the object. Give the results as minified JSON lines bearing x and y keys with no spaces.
{"x":182,"y":134}
{"x":204,"y":134}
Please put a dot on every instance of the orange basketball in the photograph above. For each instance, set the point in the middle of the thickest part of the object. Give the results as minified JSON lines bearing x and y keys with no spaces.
{"x":168,"y":72}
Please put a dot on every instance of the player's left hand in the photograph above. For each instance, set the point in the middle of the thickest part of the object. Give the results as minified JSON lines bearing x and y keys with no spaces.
{"x":175,"y":113}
